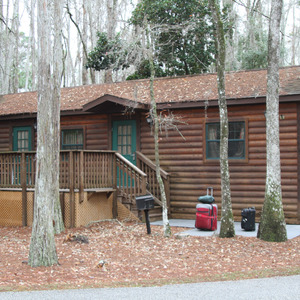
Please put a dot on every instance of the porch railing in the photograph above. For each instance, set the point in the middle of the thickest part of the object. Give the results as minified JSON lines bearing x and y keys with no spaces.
{"x":149,"y":168}
{"x":87,"y":169}
{"x":131,"y":181}
{"x":80,"y":171}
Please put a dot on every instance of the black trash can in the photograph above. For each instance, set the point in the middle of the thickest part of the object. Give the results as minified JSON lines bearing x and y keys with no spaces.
{"x":248,"y":219}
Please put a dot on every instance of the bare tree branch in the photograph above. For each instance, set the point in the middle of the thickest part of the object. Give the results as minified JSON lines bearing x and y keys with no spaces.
{"x":81,"y":37}
{"x":253,"y":8}
{"x":3,"y":21}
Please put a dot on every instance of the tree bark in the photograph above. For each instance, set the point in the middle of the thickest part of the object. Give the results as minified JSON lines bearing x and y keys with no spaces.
{"x":111,"y":6}
{"x":154,"y":116}
{"x":15,"y":65}
{"x":42,"y":246}
{"x":84,"y":74}
{"x":57,"y":77}
{"x":33,"y":44}
{"x":2,"y":22}
{"x":272,"y":223}
{"x":227,"y":222}
{"x":6,"y":45}
{"x":153,"y":112}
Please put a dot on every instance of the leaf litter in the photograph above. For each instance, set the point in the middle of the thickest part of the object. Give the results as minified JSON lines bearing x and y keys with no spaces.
{"x":118,"y":254}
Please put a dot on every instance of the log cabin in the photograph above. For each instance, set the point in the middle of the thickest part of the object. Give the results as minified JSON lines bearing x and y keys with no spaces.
{"x":107,"y":146}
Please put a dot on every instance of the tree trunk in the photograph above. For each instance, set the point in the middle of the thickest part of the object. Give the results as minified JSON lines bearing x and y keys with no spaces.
{"x":57,"y":77}
{"x":111,"y":28}
{"x":227,"y":223}
{"x":42,"y":246}
{"x":81,"y":57}
{"x":293,"y":55}
{"x":2,"y":39}
{"x":33,"y":45}
{"x":153,"y":113}
{"x":84,"y":74}
{"x":6,"y":45}
{"x":15,"y":71}
{"x":231,"y":43}
{"x":272,"y":223}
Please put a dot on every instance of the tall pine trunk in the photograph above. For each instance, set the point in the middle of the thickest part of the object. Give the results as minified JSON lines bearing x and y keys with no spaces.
{"x":227,"y":222}
{"x":42,"y":246}
{"x":272,"y":223}
{"x":56,"y":79}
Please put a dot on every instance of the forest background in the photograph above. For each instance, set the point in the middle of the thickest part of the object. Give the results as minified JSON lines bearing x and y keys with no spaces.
{"x":82,"y":19}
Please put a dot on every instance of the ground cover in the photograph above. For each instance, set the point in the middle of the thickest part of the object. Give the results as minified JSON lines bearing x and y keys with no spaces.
{"x":122,"y":254}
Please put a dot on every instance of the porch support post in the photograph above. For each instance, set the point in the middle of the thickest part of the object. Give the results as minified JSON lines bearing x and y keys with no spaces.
{"x":24,"y":190}
{"x":298,"y":166}
{"x":81,"y":177}
{"x":115,"y":195}
{"x":72,"y":192}
{"x":62,"y":204}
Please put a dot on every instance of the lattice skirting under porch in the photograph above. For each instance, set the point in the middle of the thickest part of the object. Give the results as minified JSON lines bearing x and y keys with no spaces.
{"x":94,"y":207}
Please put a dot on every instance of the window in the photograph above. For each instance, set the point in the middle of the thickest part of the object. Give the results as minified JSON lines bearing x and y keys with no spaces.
{"x":236,"y":140}
{"x":124,"y":139}
{"x":72,"y":139}
{"x":22,"y":138}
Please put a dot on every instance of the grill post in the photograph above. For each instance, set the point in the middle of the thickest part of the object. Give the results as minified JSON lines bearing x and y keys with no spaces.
{"x":145,"y":203}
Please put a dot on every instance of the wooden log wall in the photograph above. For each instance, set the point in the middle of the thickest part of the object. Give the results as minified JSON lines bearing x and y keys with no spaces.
{"x":6,"y":132}
{"x":191,"y":174}
{"x":5,"y":138}
{"x":96,"y":133}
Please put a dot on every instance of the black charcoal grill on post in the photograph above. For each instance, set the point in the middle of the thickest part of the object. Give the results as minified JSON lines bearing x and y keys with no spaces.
{"x":145,"y":203}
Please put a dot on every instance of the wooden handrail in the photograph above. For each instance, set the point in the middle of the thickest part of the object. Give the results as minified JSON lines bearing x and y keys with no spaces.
{"x":147,"y":166}
{"x":152,"y":165}
{"x":131,"y":165}
{"x":131,"y":180}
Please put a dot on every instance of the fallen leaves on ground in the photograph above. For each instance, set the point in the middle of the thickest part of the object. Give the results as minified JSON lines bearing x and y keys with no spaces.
{"x":120,"y":254}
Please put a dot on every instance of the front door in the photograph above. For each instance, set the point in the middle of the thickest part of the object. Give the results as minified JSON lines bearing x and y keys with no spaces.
{"x":124,"y":139}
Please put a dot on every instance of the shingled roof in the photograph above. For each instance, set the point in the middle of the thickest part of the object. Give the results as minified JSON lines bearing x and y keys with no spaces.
{"x":196,"y":88}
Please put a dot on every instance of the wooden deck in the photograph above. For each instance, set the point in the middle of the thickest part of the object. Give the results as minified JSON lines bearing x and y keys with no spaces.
{"x":80,"y":172}
{"x":85,"y":174}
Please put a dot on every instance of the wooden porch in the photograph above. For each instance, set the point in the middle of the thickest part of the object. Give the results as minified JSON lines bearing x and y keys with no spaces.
{"x":84,"y":174}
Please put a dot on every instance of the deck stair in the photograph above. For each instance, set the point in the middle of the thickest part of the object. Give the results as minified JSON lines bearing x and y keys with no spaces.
{"x":148,"y":167}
